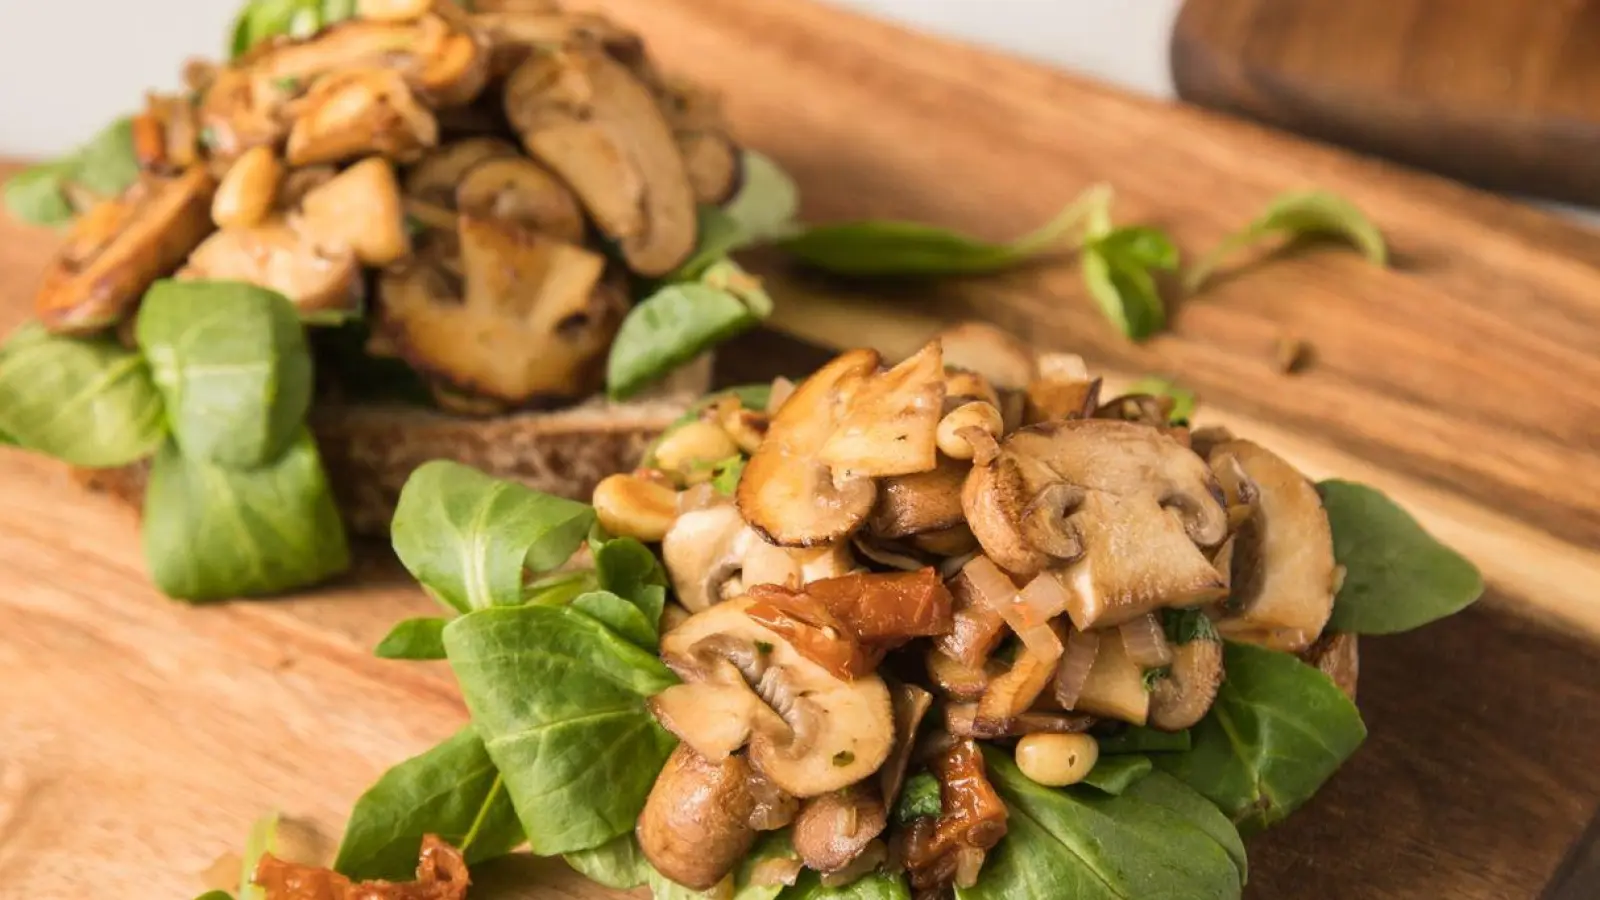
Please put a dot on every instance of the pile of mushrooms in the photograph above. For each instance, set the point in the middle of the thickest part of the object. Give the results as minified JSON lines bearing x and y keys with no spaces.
{"x":969,"y":546}
{"x":459,"y":175}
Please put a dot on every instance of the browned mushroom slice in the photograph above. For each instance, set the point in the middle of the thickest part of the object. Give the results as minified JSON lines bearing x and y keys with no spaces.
{"x":786,"y":493}
{"x":1119,"y":511}
{"x":695,"y":824}
{"x":995,"y":354}
{"x":715,"y":718}
{"x":358,"y":113}
{"x":710,"y":155}
{"x":275,"y":256}
{"x":921,"y":502}
{"x":520,"y":190}
{"x":166,"y":136}
{"x":1144,"y":409}
{"x":359,"y":209}
{"x":1013,"y":693}
{"x":530,"y":326}
{"x":833,"y":829}
{"x":911,"y":704}
{"x":891,"y":421}
{"x":437,"y":175}
{"x":1283,"y":567}
{"x":591,"y":120}
{"x":1063,"y":389}
{"x":1337,"y":655}
{"x":961,"y":720}
{"x":1115,"y":686}
{"x":1183,"y":696}
{"x":954,"y":679}
{"x":514,"y":34}
{"x":976,"y":628}
{"x":116,"y":250}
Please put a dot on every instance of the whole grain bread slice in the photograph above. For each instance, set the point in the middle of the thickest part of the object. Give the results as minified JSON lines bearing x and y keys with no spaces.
{"x":370,"y":450}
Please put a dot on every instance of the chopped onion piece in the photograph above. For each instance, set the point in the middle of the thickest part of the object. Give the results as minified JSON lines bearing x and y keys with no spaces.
{"x":775,"y":871}
{"x":1043,"y":599}
{"x":969,"y":862}
{"x":701,"y":496}
{"x":1082,"y":648}
{"x":990,"y":586}
{"x":1146,"y":642}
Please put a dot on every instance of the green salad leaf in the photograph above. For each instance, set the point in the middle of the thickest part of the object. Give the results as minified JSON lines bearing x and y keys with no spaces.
{"x":104,"y":167}
{"x":232,"y":364}
{"x":873,"y":886}
{"x":1161,"y":789}
{"x":1184,"y":400}
{"x":85,"y":401}
{"x":413,"y":639}
{"x":1087,"y":845}
{"x":1276,"y":732}
{"x":262,"y":20}
{"x":883,"y":248}
{"x":919,"y":798}
{"x":1139,"y":739}
{"x":772,"y":845}
{"x":679,"y":322}
{"x":452,"y":790}
{"x":263,"y":839}
{"x":212,"y":533}
{"x":560,"y":588}
{"x":1294,"y":215}
{"x":1115,"y":774}
{"x":1117,"y":267}
{"x":726,"y":474}
{"x":559,"y":700}
{"x":1396,"y":576}
{"x":750,"y":396}
{"x":617,"y":614}
{"x":618,"y":863}
{"x":215,"y":895}
{"x":468,"y":537}
{"x":767,"y":203}
{"x":630,"y":570}
{"x":719,"y":235}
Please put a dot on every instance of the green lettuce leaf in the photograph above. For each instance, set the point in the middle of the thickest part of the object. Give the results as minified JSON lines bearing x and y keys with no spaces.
{"x":873,"y":886}
{"x":559,"y":700}
{"x":413,"y":639}
{"x":1114,"y":774}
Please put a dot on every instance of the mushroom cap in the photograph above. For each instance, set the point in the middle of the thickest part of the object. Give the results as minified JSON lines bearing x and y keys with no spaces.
{"x":842,"y":730}
{"x":595,"y":124}
{"x":891,"y":421}
{"x":1115,"y":686}
{"x":281,"y":258}
{"x":992,"y":352}
{"x":1185,"y":695}
{"x":531,"y":324}
{"x":786,"y":493}
{"x":1283,"y":567}
{"x":1337,"y":655}
{"x":921,"y":502}
{"x":359,"y":209}
{"x":119,"y":248}
{"x":715,"y":717}
{"x":435,"y":177}
{"x":702,"y":552}
{"x":356,"y":113}
{"x":1122,"y":510}
{"x":694,"y":827}
{"x":518,"y":189}
{"x":833,"y":829}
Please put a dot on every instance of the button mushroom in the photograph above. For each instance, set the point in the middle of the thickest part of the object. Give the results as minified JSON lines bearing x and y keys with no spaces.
{"x":358,"y":209}
{"x":702,"y":553}
{"x":364,"y":111}
{"x":120,"y":247}
{"x":833,"y":829}
{"x":992,"y":352}
{"x":716,"y":717}
{"x":515,"y":34}
{"x":786,"y":493}
{"x":1115,"y":687}
{"x":1336,"y":655}
{"x":1063,"y":389}
{"x":1185,"y":693}
{"x":919,"y":503}
{"x":891,"y":422}
{"x":841,"y":730}
{"x":281,"y":258}
{"x":1119,"y":511}
{"x":531,"y":324}
{"x":591,"y":120}
{"x":520,"y":190}
{"x":1283,"y":568}
{"x":695,"y":827}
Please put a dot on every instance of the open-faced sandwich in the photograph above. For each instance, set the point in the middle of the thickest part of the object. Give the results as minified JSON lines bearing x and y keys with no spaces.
{"x":482,"y":225}
{"x":959,"y":625}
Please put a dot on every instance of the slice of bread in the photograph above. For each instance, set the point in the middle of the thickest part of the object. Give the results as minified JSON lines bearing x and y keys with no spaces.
{"x":370,"y":450}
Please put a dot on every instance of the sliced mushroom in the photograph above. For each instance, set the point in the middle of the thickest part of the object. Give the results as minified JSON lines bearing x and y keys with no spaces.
{"x":695,"y":827}
{"x":1121,"y":510}
{"x":702,"y":553}
{"x":891,"y":421}
{"x":790,"y":566}
{"x":435,"y":178}
{"x":787,"y":494}
{"x":710,"y":156}
{"x":515,"y":34}
{"x":715,"y":718}
{"x":1337,"y":656}
{"x":356,"y":113}
{"x":1283,"y":567}
{"x":358,"y":209}
{"x":588,"y":118}
{"x":842,"y":730}
{"x":120,"y":247}
{"x":531,"y":325}
{"x":441,"y":59}
{"x":1013,"y":693}
{"x":833,"y":829}
{"x":1115,"y":687}
{"x":992,"y":352}
{"x":1185,"y":694}
{"x":1063,"y":389}
{"x":921,"y":502}
{"x":971,"y":811}
{"x":910,"y":704}
{"x":166,"y":136}
{"x":976,"y":627}
{"x":955,"y":679}
{"x":277,"y":256}
{"x":961,"y":720}
{"x":1143,"y":409}
{"x":520,"y":190}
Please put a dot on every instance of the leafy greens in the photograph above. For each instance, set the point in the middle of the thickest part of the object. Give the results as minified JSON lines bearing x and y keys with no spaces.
{"x":1299,"y":214}
{"x":104,"y":167}
{"x":413,"y":639}
{"x":1396,"y":576}
{"x":679,"y":322}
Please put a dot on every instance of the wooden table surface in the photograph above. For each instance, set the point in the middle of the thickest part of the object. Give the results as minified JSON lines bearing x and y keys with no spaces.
{"x":139,"y":737}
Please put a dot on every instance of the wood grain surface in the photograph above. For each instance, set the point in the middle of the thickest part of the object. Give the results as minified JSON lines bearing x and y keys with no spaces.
{"x":139,"y":737}
{"x":1500,"y":93}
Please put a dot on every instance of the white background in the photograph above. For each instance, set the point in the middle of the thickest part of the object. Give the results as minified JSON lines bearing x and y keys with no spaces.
{"x":69,"y":66}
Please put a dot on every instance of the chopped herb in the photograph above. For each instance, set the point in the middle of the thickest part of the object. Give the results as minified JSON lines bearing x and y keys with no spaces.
{"x":843,"y":758}
{"x":918,"y":799}
{"x":289,"y":84}
{"x":1183,"y":400}
{"x":1185,"y":625}
{"x":726,"y":475}
{"x":1151,"y":676}
{"x":763,"y":647}
{"x":208,"y":138}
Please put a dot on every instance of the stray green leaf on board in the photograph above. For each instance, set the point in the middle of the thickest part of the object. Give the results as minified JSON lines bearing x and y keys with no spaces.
{"x":884,"y":248}
{"x":1118,"y":266}
{"x":1294,"y":215}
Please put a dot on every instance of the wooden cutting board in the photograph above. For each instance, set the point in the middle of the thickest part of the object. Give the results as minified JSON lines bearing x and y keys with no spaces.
{"x":1500,"y":93}
{"x":139,"y":737}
